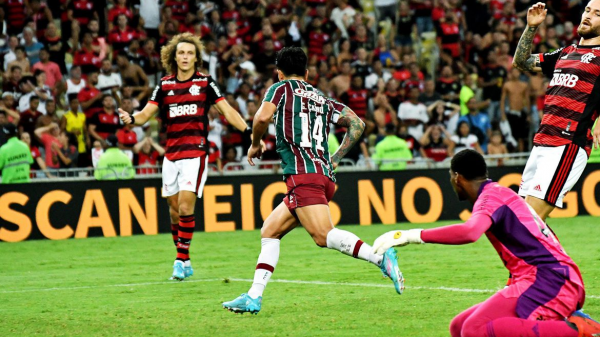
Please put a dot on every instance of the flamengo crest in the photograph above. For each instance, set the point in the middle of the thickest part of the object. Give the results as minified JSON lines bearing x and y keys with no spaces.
{"x":195,"y":90}
{"x":587,"y":58}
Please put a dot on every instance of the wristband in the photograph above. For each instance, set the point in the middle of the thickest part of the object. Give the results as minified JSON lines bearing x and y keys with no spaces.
{"x":132,"y":119}
{"x":247,"y":133}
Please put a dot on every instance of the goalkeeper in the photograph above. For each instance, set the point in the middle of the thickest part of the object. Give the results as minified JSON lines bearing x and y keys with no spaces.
{"x":547,"y":290}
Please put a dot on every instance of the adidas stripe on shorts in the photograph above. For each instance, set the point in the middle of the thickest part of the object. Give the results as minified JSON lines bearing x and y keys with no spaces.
{"x":551,"y":172}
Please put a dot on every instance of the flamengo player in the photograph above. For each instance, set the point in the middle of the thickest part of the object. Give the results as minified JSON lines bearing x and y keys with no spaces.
{"x":302,"y":121}
{"x":547,"y":285}
{"x":183,"y":99}
{"x":564,"y":139}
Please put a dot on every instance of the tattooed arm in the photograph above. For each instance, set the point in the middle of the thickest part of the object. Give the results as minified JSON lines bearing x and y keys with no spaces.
{"x":355,"y":125}
{"x":523,"y":59}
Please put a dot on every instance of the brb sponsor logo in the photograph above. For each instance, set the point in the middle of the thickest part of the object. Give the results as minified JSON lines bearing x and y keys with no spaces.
{"x":182,"y":110}
{"x":313,"y":96}
{"x":565,"y":80}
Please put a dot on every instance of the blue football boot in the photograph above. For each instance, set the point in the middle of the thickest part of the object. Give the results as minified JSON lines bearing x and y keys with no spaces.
{"x":244,"y":303}
{"x":389,"y":268}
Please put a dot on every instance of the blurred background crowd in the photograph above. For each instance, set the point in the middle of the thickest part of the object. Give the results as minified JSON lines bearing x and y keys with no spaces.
{"x":429,"y":78}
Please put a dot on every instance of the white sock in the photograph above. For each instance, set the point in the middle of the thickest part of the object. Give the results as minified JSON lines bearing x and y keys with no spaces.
{"x":267,"y":261}
{"x":187,"y":263}
{"x":347,"y":243}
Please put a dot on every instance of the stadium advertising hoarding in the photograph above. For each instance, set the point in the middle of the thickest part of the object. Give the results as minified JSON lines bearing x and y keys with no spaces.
{"x":62,"y":210}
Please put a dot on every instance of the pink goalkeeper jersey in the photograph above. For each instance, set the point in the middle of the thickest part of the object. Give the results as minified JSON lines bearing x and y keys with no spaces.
{"x":523,"y":241}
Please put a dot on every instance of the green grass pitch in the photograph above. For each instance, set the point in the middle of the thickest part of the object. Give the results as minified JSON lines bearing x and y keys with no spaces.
{"x":119,"y":287}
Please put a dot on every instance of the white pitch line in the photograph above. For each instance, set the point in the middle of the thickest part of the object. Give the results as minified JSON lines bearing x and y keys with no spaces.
{"x":326,"y":283}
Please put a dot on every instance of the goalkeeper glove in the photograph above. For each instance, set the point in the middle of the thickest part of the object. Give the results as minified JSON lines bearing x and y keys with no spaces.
{"x":396,"y":239}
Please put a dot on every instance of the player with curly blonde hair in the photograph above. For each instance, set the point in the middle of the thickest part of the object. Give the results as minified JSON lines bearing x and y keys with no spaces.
{"x":183,"y":99}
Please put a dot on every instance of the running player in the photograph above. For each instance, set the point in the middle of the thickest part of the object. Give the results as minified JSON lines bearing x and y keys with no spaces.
{"x":302,"y":120}
{"x":547,"y":285}
{"x":183,"y":99}
{"x":563,"y":142}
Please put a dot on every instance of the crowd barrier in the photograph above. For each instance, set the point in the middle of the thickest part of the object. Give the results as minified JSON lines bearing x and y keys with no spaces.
{"x":78,"y":209}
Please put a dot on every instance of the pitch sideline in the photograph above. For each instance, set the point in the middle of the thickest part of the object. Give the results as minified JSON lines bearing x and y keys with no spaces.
{"x":325,"y":283}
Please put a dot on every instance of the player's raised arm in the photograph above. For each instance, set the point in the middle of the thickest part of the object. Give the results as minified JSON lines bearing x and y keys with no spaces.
{"x":355,"y":125}
{"x":139,"y":118}
{"x":261,"y":122}
{"x":232,"y":116}
{"x":523,"y":59}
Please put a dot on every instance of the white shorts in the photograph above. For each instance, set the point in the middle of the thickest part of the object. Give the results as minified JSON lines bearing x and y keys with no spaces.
{"x":184,"y":175}
{"x":551,"y":172}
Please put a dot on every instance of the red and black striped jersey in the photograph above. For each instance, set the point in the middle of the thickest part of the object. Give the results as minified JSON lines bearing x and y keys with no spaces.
{"x":572,"y":98}
{"x":184,"y":110}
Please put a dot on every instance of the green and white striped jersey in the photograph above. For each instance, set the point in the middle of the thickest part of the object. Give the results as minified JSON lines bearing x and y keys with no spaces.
{"x":302,"y":121}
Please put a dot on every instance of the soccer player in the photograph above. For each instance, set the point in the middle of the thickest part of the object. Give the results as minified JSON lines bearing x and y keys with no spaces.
{"x":183,"y":99}
{"x":302,"y":121}
{"x":563,"y":142}
{"x":547,"y":284}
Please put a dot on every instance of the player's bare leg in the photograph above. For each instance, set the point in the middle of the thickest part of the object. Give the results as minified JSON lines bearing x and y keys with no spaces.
{"x":316,"y":219}
{"x":276,"y":226}
{"x":185,"y":203}
{"x":541,"y":207}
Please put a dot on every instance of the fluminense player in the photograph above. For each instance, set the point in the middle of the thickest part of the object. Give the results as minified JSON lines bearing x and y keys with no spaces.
{"x":547,"y":289}
{"x":182,"y":99}
{"x":563,"y":142}
{"x":302,"y":120}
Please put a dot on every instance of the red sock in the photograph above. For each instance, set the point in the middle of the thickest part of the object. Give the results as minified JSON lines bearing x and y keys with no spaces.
{"x":186,"y":231}
{"x":175,"y":233}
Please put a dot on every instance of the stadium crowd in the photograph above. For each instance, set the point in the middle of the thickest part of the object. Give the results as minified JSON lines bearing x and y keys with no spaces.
{"x":428,"y":77}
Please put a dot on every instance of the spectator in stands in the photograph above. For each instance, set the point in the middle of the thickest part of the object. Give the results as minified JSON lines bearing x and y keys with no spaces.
{"x":82,"y":11}
{"x":106,"y":122}
{"x":11,"y":82}
{"x":30,"y":116}
{"x":404,"y":28}
{"x":231,"y":157}
{"x":151,"y":62}
{"x":38,"y":160}
{"x":42,"y":90}
{"x":96,"y":152}
{"x":15,"y":157}
{"x":341,"y":83}
{"x":66,"y":151}
{"x":447,"y":86}
{"x":121,"y":35}
{"x":356,"y":98}
{"x":127,"y":140}
{"x":463,"y":139}
{"x":51,"y":69}
{"x":74,"y":121}
{"x":119,"y":8}
{"x":491,"y":79}
{"x":8,"y":51}
{"x":133,"y":75}
{"x":378,"y":73}
{"x":50,"y":116}
{"x":113,"y":164}
{"x":435,"y":143}
{"x":413,"y":114}
{"x":392,"y":152}
{"x":48,"y":135}
{"x":3,"y":121}
{"x":429,"y":95}
{"x":31,"y":47}
{"x":74,"y":84}
{"x":148,"y":153}
{"x":360,"y":66}
{"x":85,"y":56}
{"x":496,"y":146}
{"x":21,"y":61}
{"x":479,"y":123}
{"x":384,"y":113}
{"x":7,"y":105}
{"x":518,"y":110}
{"x":108,"y":79}
{"x":90,"y":97}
